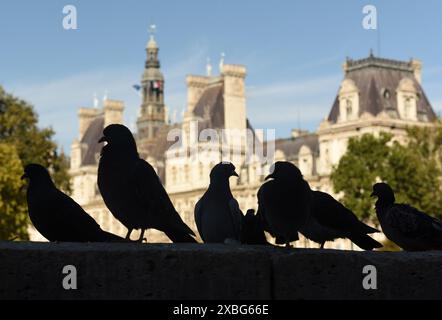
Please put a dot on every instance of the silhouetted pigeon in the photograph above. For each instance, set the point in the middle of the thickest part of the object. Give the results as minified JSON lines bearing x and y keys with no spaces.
{"x":284,"y":202}
{"x":57,"y":216}
{"x":217,"y":214}
{"x":252,"y":231}
{"x":409,"y":228}
{"x":132,"y":190}
{"x":330,"y":220}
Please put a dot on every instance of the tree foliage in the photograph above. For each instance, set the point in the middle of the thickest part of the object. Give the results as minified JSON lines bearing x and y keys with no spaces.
{"x":23,"y":142}
{"x":13,"y":214}
{"x":413,"y":169}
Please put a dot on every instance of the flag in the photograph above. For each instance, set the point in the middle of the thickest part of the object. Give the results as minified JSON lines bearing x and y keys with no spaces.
{"x":156,"y":85}
{"x":137,"y":88}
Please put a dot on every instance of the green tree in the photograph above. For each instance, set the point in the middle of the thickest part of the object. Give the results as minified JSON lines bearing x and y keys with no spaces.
{"x":13,"y":219}
{"x":19,"y":128}
{"x":364,"y":161}
{"x":415,"y":170}
{"x":412,"y":169}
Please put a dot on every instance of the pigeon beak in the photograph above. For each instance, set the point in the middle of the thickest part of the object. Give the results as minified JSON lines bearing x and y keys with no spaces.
{"x":234,"y":174}
{"x":102,"y":139}
{"x":268,"y":177}
{"x":24,"y":176}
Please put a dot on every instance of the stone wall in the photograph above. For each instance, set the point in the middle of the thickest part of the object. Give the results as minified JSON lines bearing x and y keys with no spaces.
{"x":169,"y":271}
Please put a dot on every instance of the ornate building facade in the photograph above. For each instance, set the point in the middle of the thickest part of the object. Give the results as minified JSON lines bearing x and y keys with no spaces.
{"x":375,"y":95}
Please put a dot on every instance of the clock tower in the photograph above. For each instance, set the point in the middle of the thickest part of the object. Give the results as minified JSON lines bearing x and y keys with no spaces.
{"x":152,"y":115}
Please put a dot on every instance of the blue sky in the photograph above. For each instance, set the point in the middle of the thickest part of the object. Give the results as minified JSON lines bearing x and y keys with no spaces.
{"x":293,"y":51}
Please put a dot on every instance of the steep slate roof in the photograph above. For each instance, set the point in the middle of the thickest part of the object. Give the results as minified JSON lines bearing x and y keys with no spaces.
{"x":291,"y":146}
{"x":372,"y":76}
{"x":210,"y":107}
{"x":159,"y":145}
{"x":89,"y":142}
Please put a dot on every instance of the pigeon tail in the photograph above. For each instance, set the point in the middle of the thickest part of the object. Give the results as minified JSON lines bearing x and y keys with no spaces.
{"x":368,"y":229}
{"x":179,"y":236}
{"x":187,"y":229}
{"x":364,"y":242}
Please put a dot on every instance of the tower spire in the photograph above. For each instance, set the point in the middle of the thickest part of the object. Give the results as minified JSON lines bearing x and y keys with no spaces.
{"x":152,"y":113}
{"x":152,"y":43}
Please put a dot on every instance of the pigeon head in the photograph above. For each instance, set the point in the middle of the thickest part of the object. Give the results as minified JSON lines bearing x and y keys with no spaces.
{"x":118,"y":136}
{"x":223,"y":171}
{"x":384,"y":193}
{"x":284,"y":170}
{"x":37,"y":173}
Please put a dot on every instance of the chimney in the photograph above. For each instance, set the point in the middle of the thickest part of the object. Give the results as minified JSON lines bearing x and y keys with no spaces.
{"x":85,"y":117}
{"x":417,"y":69}
{"x":296,"y":133}
{"x":113,"y":112}
{"x":234,"y":97}
{"x":195,"y":88}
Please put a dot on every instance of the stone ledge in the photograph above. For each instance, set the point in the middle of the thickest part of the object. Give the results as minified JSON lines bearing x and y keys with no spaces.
{"x":195,"y":271}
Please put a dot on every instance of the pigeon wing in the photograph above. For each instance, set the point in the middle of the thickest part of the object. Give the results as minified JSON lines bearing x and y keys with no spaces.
{"x":411,"y":222}
{"x":197,"y":212}
{"x":331,"y":213}
{"x":237,"y":216}
{"x":261,"y":214}
{"x":150,"y":190}
{"x":73,"y":222}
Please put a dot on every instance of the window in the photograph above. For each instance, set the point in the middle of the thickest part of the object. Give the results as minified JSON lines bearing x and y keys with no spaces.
{"x":407,"y":107}
{"x":201,"y":171}
{"x":186,"y":172}
{"x":173,"y":175}
{"x":387,"y":94}
{"x":349,"y":108}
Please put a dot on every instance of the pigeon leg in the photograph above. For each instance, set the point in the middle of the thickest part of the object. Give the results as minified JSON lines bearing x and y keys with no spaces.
{"x":322,"y":245}
{"x":287,"y":245}
{"x":129,"y":231}
{"x":141,"y":235}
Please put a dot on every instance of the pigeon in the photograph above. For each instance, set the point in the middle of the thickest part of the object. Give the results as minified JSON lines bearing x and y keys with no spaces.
{"x":409,"y":228}
{"x":217,"y":214}
{"x":252,"y":231}
{"x":284,"y":202}
{"x":329,"y":220}
{"x":132,"y":190}
{"x":56,"y":215}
